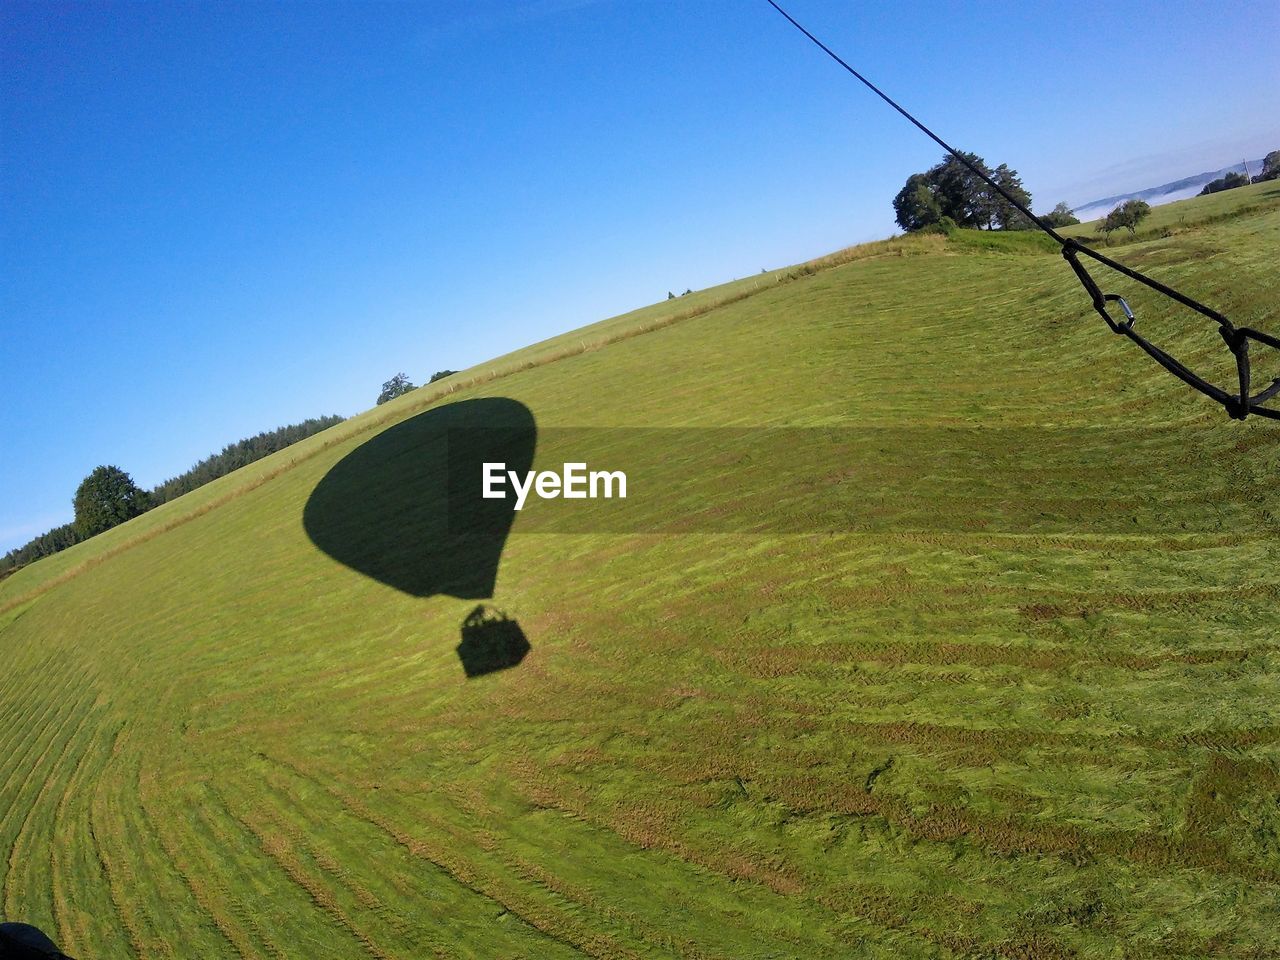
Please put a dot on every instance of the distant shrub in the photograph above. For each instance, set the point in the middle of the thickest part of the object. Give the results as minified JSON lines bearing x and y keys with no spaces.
{"x":397,"y":386}
{"x":1128,"y":215}
{"x":1229,"y":182}
{"x":1060,"y":216}
{"x":943,"y":225}
{"x":441,"y":374}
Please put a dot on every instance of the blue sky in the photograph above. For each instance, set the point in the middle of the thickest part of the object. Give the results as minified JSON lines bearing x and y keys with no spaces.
{"x":216,"y":219}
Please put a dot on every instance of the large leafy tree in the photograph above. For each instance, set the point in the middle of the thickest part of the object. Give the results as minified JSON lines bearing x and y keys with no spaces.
{"x":964,"y":196}
{"x":1006,"y":215}
{"x":105,"y":498}
{"x":952,"y":189}
{"x":915,"y":206}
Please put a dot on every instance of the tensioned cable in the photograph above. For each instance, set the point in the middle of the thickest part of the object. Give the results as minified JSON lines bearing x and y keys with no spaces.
{"x":1238,"y":404}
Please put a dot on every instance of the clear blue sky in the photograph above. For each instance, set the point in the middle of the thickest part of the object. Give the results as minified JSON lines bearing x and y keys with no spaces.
{"x":219,"y":218}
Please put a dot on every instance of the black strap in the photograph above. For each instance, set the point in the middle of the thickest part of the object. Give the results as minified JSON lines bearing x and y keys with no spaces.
{"x":1239,"y":404}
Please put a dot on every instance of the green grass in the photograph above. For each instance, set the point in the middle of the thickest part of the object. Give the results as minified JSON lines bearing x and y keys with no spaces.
{"x":1024,"y":706}
{"x":1197,"y":214}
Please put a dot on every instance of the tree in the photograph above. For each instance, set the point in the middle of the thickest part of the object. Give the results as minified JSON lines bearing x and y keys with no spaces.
{"x":45,"y":545}
{"x":1129,"y":214}
{"x":232,"y":457}
{"x":236,"y":455}
{"x":1229,"y":182}
{"x":1060,"y":216}
{"x":105,"y":498}
{"x":953,"y":189}
{"x":1270,"y":167}
{"x":441,"y":374}
{"x":397,"y":386}
{"x":1135,"y":211}
{"x":1007,"y":216}
{"x":965,"y":197}
{"x":915,"y":206}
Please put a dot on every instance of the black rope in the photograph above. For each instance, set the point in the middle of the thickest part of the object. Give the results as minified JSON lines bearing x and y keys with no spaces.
{"x":1238,"y":404}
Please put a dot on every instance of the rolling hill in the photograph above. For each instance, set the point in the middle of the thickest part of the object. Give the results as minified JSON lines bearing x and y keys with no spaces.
{"x":1166,"y":192}
{"x":939,"y":622}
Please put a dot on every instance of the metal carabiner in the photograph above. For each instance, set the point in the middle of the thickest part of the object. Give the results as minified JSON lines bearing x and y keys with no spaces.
{"x":1130,"y":319}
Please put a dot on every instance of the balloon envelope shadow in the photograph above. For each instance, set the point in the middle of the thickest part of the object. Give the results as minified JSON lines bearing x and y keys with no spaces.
{"x":21,"y":941}
{"x":405,"y":508}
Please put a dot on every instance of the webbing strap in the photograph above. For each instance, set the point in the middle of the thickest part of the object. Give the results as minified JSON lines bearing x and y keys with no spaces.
{"x":1238,"y":404}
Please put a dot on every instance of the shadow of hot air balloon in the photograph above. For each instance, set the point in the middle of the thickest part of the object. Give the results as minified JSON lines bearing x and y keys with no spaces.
{"x":21,"y":941}
{"x":405,"y":508}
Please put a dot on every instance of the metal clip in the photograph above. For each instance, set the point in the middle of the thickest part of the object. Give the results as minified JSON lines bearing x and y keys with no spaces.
{"x":1130,"y":319}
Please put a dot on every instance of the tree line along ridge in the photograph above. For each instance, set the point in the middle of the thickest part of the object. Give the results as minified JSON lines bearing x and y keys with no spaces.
{"x":108,"y":496}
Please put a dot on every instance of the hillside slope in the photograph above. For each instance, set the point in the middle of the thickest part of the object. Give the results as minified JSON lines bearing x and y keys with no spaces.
{"x":993,"y":673}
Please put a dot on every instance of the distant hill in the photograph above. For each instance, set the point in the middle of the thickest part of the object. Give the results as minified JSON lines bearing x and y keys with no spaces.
{"x":1166,"y":192}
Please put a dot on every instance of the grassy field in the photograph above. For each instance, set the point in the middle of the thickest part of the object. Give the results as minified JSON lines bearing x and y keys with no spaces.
{"x":994,"y":673}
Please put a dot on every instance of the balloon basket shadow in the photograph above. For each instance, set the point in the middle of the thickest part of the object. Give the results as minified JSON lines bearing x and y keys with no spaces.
{"x":491,"y":641}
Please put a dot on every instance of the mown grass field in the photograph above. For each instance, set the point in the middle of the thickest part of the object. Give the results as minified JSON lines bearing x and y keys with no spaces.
{"x":1031,"y":711}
